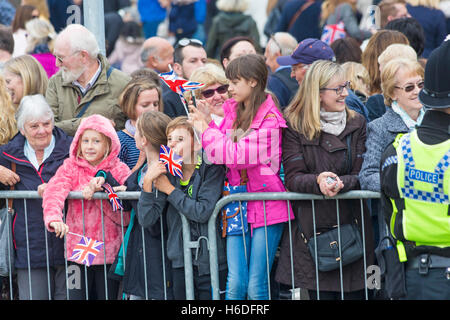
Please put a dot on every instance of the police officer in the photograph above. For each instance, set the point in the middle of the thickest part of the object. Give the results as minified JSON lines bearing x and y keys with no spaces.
{"x":415,"y":183}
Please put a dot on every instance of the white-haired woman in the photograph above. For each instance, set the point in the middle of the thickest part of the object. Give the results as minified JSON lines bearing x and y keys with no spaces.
{"x":37,"y":152}
{"x":41,"y":35}
{"x":322,"y":154}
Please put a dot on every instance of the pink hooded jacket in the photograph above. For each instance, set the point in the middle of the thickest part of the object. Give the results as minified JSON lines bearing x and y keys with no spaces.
{"x":259,"y":152}
{"x":73,"y":175}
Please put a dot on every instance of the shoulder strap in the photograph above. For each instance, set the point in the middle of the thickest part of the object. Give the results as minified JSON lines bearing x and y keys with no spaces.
{"x":299,"y":12}
{"x":86,"y":106}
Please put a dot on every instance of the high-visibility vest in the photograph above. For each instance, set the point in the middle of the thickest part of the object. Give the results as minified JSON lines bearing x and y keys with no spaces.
{"x":423,"y":179}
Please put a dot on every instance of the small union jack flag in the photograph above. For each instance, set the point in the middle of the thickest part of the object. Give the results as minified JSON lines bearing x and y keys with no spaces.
{"x":172,"y":161}
{"x":113,"y":198}
{"x":332,"y":32}
{"x":86,"y":250}
{"x":178,"y":84}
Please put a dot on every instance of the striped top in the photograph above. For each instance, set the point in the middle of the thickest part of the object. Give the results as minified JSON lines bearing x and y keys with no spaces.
{"x":129,"y":153}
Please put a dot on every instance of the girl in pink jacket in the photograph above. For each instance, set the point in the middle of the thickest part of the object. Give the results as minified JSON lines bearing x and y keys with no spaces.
{"x":93,"y":158}
{"x":248,"y":143}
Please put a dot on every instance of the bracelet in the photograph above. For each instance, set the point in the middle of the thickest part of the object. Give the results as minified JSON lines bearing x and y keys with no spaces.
{"x":101,"y":173}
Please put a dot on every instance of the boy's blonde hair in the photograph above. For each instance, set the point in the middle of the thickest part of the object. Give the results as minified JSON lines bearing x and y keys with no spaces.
{"x":180,"y":122}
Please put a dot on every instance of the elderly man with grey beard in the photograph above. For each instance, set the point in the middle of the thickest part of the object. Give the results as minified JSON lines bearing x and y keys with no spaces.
{"x":86,"y":84}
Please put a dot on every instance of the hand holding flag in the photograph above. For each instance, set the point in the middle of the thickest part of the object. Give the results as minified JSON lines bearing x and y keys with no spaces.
{"x":113,"y":198}
{"x":86,"y":250}
{"x":171,"y":160}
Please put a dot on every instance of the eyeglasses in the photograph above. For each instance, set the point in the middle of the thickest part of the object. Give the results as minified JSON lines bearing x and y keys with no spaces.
{"x":411,"y":87}
{"x":61,"y":60}
{"x":340,"y":89}
{"x":220,"y":90}
{"x":185,"y":42}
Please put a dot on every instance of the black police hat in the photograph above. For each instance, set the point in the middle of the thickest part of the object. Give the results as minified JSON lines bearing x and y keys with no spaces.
{"x":436,"y":92}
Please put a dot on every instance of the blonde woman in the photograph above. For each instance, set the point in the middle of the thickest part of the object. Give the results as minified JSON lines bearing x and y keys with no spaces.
{"x":359,"y":79}
{"x":335,"y":11}
{"x":321,"y":129}
{"x":8,"y":127}
{"x":40,"y":44}
{"x":24,"y":76}
{"x":211,"y":97}
{"x":432,"y":19}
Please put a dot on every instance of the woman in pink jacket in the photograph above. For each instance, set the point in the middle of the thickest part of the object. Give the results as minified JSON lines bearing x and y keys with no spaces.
{"x":92,"y":161}
{"x":248,"y":143}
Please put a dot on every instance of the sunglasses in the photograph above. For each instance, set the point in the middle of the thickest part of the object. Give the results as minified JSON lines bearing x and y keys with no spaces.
{"x":185,"y":42}
{"x":220,"y":90}
{"x":411,"y":87}
{"x":339,"y":89}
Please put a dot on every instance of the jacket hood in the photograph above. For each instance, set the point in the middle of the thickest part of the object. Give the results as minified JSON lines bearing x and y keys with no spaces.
{"x":103,"y":125}
{"x":235,"y":21}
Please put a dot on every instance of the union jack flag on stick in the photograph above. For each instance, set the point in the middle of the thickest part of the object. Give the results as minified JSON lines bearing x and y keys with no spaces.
{"x":86,"y":250}
{"x":113,"y":198}
{"x":180,"y":85}
{"x":172,"y":161}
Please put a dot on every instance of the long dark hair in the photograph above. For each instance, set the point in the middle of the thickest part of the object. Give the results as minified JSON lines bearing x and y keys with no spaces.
{"x":249,"y":67}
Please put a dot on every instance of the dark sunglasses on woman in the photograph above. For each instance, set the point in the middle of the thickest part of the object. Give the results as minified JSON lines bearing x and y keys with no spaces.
{"x":210,"y":92}
{"x":410,"y":87}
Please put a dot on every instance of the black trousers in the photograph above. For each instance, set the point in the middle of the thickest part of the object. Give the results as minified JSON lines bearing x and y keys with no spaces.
{"x":96,"y":286}
{"x":432,"y":286}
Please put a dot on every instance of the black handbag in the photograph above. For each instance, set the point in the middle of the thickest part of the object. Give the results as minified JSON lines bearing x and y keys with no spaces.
{"x":328,"y":256}
{"x":332,"y":250}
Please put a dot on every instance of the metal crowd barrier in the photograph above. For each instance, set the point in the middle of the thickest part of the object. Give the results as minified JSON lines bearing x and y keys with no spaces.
{"x":211,"y":240}
{"x":284,"y":196}
{"x":26,"y":195}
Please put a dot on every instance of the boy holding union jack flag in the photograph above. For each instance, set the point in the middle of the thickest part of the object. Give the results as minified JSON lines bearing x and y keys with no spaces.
{"x":194,"y":195}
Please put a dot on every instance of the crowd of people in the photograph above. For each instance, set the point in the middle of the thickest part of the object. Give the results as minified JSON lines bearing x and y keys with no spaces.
{"x":297,"y":114}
